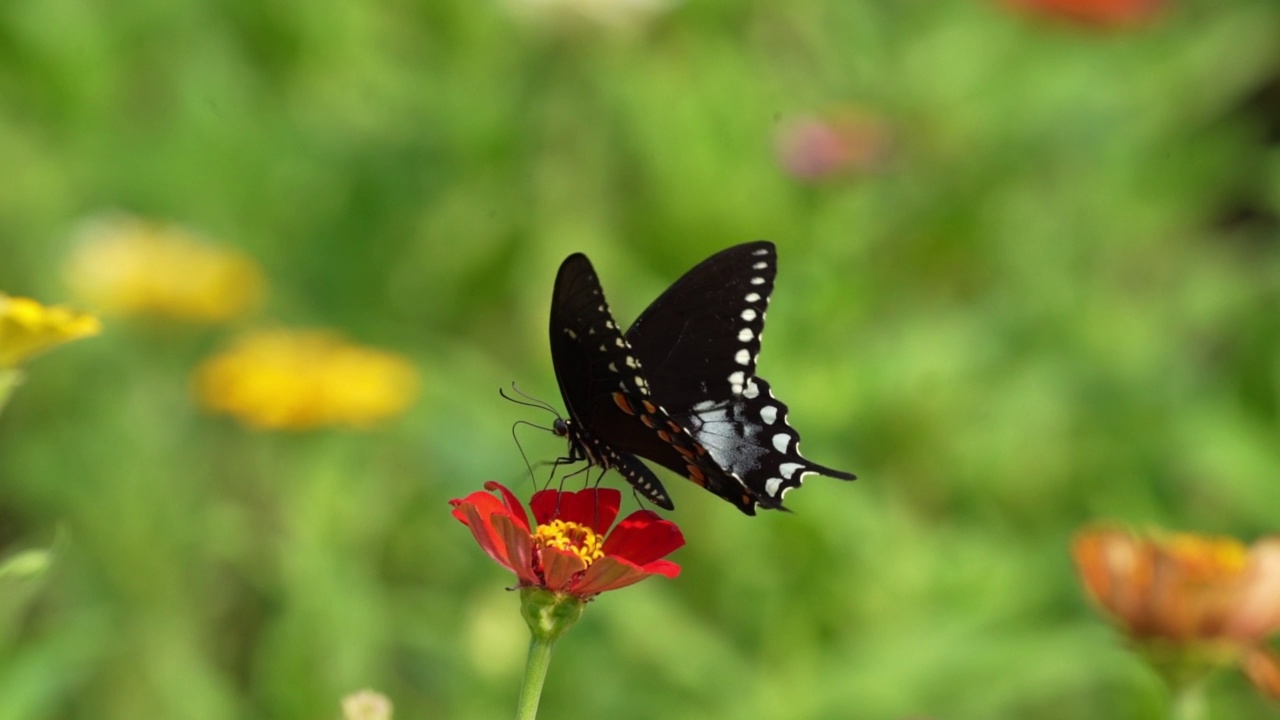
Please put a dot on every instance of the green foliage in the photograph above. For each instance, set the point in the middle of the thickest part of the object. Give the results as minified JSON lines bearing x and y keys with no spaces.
{"x":1035,"y":315}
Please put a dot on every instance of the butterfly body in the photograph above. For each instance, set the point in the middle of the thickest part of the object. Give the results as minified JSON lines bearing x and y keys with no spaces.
{"x":679,"y":388}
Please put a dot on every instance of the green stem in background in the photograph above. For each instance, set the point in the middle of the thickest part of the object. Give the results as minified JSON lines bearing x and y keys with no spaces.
{"x":535,"y":674}
{"x":10,"y":378}
{"x":1188,"y":703}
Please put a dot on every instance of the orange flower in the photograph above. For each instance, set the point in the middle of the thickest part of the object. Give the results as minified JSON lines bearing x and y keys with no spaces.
{"x":1211,"y":600}
{"x":129,"y":266}
{"x":305,"y":379}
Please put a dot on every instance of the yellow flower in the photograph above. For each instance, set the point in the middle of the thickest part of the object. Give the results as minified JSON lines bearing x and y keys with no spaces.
{"x":129,"y":266}
{"x":305,"y":379}
{"x":1190,"y":602}
{"x":28,"y":328}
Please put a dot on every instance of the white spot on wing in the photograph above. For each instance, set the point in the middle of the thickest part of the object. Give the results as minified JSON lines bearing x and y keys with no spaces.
{"x":752,"y":297}
{"x":752,"y":391}
{"x":736,"y":379}
{"x":747,"y":315}
{"x":743,"y":357}
{"x":572,"y":335}
{"x":768,"y":413}
{"x":745,"y":335}
{"x":760,"y":265}
{"x":757,"y":281}
{"x":761,"y":251}
{"x":781,"y":441}
{"x":771,"y":486}
{"x":789,"y":469}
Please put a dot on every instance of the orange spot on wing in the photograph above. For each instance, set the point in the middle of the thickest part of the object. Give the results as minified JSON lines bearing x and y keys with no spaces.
{"x":623,"y":403}
{"x":696,"y":475}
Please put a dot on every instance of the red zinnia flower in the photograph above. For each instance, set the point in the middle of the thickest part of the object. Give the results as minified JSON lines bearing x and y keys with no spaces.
{"x":570,"y":550}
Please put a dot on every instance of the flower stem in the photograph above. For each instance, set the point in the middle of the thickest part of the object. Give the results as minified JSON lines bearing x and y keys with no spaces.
{"x":535,"y":674}
{"x":1189,"y":703}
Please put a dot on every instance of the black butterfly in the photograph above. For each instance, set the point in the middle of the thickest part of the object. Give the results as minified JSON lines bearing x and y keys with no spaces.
{"x":680,"y":388}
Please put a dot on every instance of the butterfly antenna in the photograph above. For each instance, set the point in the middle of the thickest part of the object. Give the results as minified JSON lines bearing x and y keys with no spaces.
{"x":528,"y":401}
{"x":520,"y":447}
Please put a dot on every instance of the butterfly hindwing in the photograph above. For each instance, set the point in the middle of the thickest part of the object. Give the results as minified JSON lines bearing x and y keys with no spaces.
{"x":749,"y":436}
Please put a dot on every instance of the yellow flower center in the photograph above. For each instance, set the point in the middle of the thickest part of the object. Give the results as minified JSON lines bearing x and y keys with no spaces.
{"x":571,"y":537}
{"x":1207,"y":559}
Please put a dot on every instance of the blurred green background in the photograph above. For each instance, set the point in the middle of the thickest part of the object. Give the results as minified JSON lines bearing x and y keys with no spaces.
{"x":1053,"y":298}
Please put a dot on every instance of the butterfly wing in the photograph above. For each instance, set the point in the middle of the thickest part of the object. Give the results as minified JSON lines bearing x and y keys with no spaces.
{"x":702,"y":336}
{"x":699,"y":342}
{"x":612,"y":414}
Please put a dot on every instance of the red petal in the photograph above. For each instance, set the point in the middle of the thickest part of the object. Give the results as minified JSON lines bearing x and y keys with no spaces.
{"x":609,"y":574}
{"x":477,"y":512}
{"x":596,"y":508}
{"x":643,"y":537}
{"x":665,"y":568}
{"x":487,"y":503}
{"x":559,"y":567}
{"x":513,"y":505}
{"x":518,"y":546}
{"x":545,"y":505}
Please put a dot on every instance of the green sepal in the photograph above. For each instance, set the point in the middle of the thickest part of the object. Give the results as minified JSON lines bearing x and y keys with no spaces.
{"x":549,"y":614}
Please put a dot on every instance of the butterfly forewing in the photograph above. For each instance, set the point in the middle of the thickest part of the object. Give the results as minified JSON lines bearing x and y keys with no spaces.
{"x":702,"y":336}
